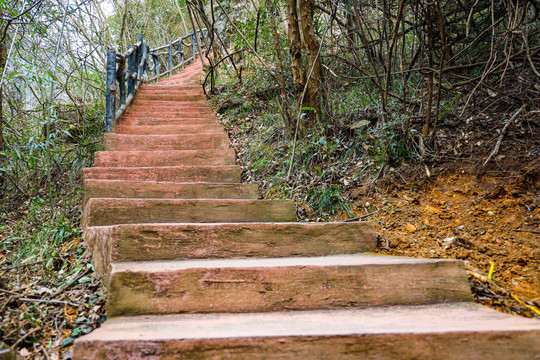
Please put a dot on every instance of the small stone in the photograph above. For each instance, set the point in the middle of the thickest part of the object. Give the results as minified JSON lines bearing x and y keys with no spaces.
{"x":394,"y":243}
{"x":449,"y":240}
{"x":410,"y":228}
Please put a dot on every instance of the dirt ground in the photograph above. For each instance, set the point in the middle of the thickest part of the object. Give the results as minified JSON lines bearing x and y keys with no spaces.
{"x":487,"y":216}
{"x":491,"y":223}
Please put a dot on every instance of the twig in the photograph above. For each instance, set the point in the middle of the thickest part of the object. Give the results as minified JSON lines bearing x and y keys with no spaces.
{"x":7,"y":268}
{"x":485,"y":279}
{"x":10,"y":292}
{"x":62,"y":289}
{"x":45,"y":352}
{"x":24,"y":337}
{"x":56,"y":302}
{"x":503,"y":132}
{"x":527,"y":231}
{"x":529,"y":54}
{"x":212,"y":67}
{"x":361,"y":217}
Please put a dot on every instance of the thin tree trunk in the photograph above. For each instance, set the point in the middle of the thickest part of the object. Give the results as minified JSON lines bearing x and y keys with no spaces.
{"x":427,"y":125}
{"x":312,"y":98}
{"x":295,"y":48}
{"x":123,"y":29}
{"x":3,"y":55}
{"x":194,"y":27}
{"x":289,"y":123}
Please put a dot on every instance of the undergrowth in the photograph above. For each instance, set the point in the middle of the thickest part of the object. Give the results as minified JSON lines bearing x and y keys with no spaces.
{"x":49,"y":294}
{"x":350,"y":148}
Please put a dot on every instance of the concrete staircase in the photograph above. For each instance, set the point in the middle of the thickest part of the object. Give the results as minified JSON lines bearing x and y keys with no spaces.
{"x":198,"y":268}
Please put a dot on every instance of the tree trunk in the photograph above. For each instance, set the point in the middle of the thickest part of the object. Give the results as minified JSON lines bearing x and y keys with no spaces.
{"x":311,"y":103}
{"x":289,"y":124}
{"x":295,"y":48}
{"x":3,"y":55}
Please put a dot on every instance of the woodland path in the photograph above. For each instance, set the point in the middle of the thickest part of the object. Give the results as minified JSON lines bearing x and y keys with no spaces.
{"x":198,"y":267}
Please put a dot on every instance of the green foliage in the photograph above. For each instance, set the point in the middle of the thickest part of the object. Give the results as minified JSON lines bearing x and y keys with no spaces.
{"x":328,"y":201}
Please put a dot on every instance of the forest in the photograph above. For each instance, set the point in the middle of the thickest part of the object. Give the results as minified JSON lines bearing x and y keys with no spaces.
{"x":420,"y":116}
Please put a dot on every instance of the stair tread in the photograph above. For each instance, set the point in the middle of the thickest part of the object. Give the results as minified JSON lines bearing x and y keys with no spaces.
{"x":121,"y":169}
{"x":150,"y":242}
{"x":454,"y":317}
{"x":206,"y":173}
{"x":157,"y":158}
{"x":110,"y":211}
{"x":321,"y":261}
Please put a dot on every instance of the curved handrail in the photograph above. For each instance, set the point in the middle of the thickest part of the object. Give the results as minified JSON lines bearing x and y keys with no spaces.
{"x":131,"y":69}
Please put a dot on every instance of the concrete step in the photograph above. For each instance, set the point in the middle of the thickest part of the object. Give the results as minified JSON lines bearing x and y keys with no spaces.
{"x":193,"y":113}
{"x":459,"y":331}
{"x":173,"y":90}
{"x":173,"y":97}
{"x":154,"y":120}
{"x":170,"y":104}
{"x":102,"y":212}
{"x":160,"y":87}
{"x":282,"y":284}
{"x":167,"y":129}
{"x":167,"y":190}
{"x":146,"y":242}
{"x":127,"y":142}
{"x":164,"y":158}
{"x":213,"y":174}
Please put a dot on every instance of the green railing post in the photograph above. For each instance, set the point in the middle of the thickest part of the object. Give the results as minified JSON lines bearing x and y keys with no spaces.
{"x":122,"y":83}
{"x":132,"y":70}
{"x":170,"y":57}
{"x":181,"y":50}
{"x":110,"y":97}
{"x":193,"y":45}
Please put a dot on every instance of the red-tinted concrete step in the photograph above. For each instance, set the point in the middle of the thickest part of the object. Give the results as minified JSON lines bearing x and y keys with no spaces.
{"x":174,"y":90}
{"x":102,"y":212}
{"x":170,"y":104}
{"x":214,"y":174}
{"x":164,"y":158}
{"x":202,"y":113}
{"x":169,"y":111}
{"x":173,"y":97}
{"x":161,"y":87}
{"x":281,"y":284}
{"x":167,"y":190}
{"x":156,"y":120}
{"x":167,"y":129}
{"x":461,"y":331}
{"x":146,"y":242}
{"x":121,"y":142}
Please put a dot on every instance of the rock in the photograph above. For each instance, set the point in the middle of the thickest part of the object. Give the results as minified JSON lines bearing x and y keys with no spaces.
{"x":231,"y":103}
{"x":449,"y":240}
{"x":410,"y":228}
{"x":394,"y":243}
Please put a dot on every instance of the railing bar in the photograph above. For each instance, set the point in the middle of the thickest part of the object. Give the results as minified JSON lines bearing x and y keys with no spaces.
{"x":161,"y":53}
{"x":123,"y":108}
{"x":134,"y":65}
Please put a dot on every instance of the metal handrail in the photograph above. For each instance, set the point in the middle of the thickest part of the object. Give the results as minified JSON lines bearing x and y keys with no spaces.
{"x":131,"y":69}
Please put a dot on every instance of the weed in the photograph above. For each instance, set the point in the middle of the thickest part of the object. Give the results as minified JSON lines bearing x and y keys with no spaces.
{"x":328,"y":201}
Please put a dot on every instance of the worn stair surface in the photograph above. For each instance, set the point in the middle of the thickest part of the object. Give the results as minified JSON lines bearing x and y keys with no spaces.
{"x":198,"y":268}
